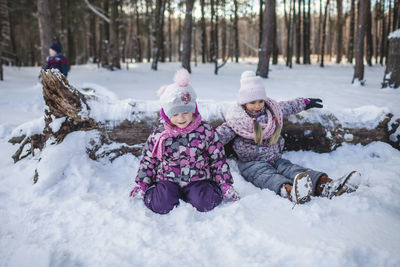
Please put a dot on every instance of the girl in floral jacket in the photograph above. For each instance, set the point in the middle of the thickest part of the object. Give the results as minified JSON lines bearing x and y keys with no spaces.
{"x":183,"y":158}
{"x":254,"y":125}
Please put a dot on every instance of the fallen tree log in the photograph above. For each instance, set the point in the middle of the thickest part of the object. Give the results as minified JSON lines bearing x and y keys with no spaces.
{"x":69,"y":110}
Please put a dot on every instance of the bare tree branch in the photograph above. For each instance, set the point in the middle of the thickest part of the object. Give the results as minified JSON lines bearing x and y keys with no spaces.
{"x":96,"y":11}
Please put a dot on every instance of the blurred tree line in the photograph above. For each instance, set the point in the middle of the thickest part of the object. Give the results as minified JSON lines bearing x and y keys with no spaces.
{"x":114,"y":32}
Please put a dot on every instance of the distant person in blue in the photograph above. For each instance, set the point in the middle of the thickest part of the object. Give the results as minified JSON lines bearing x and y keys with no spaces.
{"x":56,"y":60}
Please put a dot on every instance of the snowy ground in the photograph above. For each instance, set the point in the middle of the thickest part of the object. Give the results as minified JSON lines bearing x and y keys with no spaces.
{"x":79,"y":212}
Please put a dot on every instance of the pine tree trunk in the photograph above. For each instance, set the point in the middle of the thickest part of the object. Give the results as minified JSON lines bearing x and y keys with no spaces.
{"x":236,"y":31}
{"x":162,"y":35}
{"x":212,"y":33}
{"x":170,"y":31}
{"x":377,"y":34}
{"x":47,"y":27}
{"x":216,"y":41}
{"x":4,"y":32}
{"x":350,"y":49}
{"x":156,"y":34}
{"x":306,"y":33}
{"x":203,"y":33}
{"x":339,"y":30}
{"x":260,"y":23}
{"x":275,"y":48}
{"x":370,"y":47}
{"x":187,"y":36}
{"x":324,"y":34}
{"x":148,"y":27}
{"x":267,"y":42}
{"x":223,"y":32}
{"x":383,"y":33}
{"x":179,"y":39}
{"x":289,"y":35}
{"x":396,"y":10}
{"x":298,"y":33}
{"x":93,"y":38}
{"x":361,"y":31}
{"x":392,"y":73}
{"x":139,"y":55}
{"x":115,"y":56}
{"x":319,"y":30}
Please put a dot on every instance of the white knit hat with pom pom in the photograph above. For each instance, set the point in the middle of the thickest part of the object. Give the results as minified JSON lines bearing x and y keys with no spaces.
{"x":251,"y":88}
{"x":178,"y":97}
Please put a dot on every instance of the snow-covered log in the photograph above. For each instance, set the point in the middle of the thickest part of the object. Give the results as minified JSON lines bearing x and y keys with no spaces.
{"x":69,"y":110}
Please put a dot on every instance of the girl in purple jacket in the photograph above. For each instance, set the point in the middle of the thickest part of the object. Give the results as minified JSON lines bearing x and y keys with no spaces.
{"x":254,"y":125}
{"x":183,"y":158}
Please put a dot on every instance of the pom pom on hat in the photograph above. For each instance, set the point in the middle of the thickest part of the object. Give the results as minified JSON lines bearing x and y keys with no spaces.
{"x":251,"y":88}
{"x":182,"y":78}
{"x":247,"y":74}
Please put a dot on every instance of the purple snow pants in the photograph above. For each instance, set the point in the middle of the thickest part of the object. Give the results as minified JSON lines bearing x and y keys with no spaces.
{"x":164,"y":196}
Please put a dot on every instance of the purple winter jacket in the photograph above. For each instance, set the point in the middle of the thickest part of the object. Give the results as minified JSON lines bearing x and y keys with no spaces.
{"x":246,"y":149}
{"x":198,"y":155}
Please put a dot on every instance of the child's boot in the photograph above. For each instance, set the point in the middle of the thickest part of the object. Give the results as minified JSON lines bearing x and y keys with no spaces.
{"x":346,"y":184}
{"x":302,"y":189}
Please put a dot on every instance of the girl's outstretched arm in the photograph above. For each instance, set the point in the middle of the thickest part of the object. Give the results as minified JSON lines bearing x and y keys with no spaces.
{"x":292,"y":106}
{"x":225,"y":133}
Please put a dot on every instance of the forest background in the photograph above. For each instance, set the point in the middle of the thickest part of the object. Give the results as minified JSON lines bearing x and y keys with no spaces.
{"x":113,"y":32}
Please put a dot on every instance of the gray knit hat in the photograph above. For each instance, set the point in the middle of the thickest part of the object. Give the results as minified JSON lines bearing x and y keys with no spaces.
{"x":178,"y":97}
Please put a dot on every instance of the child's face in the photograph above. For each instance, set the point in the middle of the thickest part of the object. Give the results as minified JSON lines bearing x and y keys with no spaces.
{"x":182,"y":120}
{"x":255,"y":106}
{"x":52,"y":53}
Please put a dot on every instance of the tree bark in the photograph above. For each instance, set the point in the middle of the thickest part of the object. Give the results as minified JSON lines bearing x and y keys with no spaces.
{"x":267,"y":42}
{"x":383,"y":33}
{"x":139,"y":53}
{"x":170,"y":49}
{"x":324,"y":34}
{"x":275,"y":47}
{"x":213,"y":50}
{"x":260,"y":23}
{"x":339,"y":31}
{"x":370,"y":47}
{"x":187,"y":36}
{"x":64,"y":102}
{"x":396,"y":22}
{"x":392,"y":73}
{"x":203,"y":33}
{"x":298,"y":33}
{"x":148,"y":27}
{"x":179,"y":38}
{"x":350,"y":49}
{"x":157,"y":33}
{"x":224,"y":31}
{"x":47,"y":26}
{"x":115,"y":56}
{"x":306,"y":33}
{"x":361,"y":30}
{"x":236,"y":31}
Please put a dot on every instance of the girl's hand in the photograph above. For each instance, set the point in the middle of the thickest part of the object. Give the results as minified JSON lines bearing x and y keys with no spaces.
{"x":139,"y":190}
{"x":229,"y":192}
{"x":313,"y":103}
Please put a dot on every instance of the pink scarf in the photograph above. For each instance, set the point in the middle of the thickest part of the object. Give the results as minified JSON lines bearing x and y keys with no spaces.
{"x":242,"y":124}
{"x":172,"y":131}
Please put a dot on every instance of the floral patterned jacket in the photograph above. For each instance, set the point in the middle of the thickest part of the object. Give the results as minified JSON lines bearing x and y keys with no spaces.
{"x":198,"y":155}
